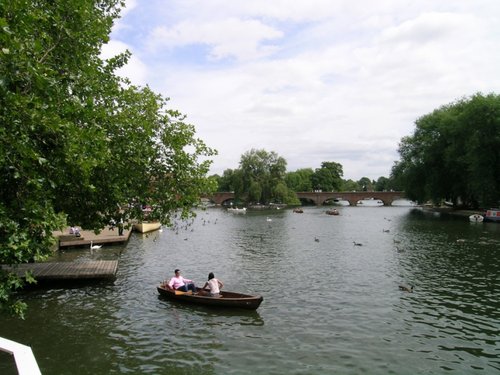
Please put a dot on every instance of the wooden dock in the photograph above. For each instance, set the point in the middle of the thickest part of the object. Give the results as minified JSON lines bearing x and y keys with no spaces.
{"x":89,"y":270}
{"x":106,"y":237}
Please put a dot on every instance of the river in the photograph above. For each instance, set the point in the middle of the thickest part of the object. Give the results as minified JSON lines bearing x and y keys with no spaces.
{"x":329,"y":307}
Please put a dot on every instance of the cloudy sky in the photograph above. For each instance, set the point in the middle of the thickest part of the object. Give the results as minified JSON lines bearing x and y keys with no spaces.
{"x":312,"y":80}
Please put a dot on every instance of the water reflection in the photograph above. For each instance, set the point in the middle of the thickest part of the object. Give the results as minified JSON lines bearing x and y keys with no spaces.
{"x":329,"y":306}
{"x":231,"y":316}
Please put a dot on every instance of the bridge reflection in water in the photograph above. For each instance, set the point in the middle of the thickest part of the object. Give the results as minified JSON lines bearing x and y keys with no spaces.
{"x":319,"y":198}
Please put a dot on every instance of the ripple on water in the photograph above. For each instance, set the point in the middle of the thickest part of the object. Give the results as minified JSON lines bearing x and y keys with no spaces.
{"x":329,"y":306}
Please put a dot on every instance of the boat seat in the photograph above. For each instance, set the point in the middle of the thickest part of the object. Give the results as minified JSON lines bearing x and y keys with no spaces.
{"x":180,"y":292}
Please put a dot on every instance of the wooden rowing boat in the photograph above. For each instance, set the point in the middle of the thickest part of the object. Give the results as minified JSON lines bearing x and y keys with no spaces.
{"x":227,"y":299}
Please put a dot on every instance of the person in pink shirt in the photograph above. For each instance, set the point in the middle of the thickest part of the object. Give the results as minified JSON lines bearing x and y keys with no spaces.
{"x":181,"y":283}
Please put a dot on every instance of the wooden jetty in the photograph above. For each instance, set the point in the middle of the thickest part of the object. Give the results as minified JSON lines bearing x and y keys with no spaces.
{"x":88,"y":270}
{"x":105,"y":237}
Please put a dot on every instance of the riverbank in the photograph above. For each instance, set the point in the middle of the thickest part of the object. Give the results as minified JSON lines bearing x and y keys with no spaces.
{"x":455,"y":212}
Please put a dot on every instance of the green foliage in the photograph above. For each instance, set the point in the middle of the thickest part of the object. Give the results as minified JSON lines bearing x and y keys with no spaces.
{"x":261,"y":171}
{"x":280,"y":193}
{"x":300,"y":180}
{"x":350,"y":185}
{"x":77,"y":143}
{"x":328,"y":177}
{"x":382,"y":184}
{"x":254,"y":192}
{"x":365,"y":184}
{"x":260,"y":179}
{"x":454,"y":154}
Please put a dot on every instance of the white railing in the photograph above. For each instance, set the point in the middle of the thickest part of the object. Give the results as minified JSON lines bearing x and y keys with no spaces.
{"x":25,"y":360}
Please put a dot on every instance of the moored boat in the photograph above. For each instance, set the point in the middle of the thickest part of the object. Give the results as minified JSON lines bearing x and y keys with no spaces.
{"x":147,"y":226}
{"x":226,"y":300}
{"x":236,"y":210}
{"x":403,"y":203}
{"x":370,"y":202}
{"x":476,"y":218}
{"x":341,"y":202}
{"x":493,"y":214}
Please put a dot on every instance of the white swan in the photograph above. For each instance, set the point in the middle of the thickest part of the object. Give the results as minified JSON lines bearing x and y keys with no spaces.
{"x":269,"y":219}
{"x":94,"y":247}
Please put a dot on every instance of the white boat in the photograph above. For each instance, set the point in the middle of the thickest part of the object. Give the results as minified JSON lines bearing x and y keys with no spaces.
{"x":147,"y":226}
{"x":476,"y":218}
{"x":237,"y":210}
{"x":493,"y":214}
{"x":403,"y":203}
{"x":340,"y":202}
{"x":369,"y":202}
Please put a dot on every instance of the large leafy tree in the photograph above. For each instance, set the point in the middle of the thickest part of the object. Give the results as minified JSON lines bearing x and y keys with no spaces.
{"x":77,"y":143}
{"x":349,"y":185}
{"x":454,"y":154}
{"x":261,"y":172}
{"x":263,"y":177}
{"x":328,"y":177}
{"x":382,"y":184}
{"x":300,"y":180}
{"x":365,"y":184}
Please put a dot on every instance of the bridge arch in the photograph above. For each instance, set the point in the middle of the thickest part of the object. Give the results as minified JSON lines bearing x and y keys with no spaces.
{"x":319,"y":198}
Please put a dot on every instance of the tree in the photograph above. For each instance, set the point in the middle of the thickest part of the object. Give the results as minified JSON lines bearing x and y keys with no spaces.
{"x":382,"y":184}
{"x":454,"y":154}
{"x":328,"y":177}
{"x":226,"y":181}
{"x":365,"y":184}
{"x":261,"y":171}
{"x":280,"y":193}
{"x":350,"y":185}
{"x":77,"y":143}
{"x":300,"y":180}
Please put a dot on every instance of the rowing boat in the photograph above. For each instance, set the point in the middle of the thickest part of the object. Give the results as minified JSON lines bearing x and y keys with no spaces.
{"x":226,"y":300}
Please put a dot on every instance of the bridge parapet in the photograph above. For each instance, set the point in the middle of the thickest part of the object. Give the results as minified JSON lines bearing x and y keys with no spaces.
{"x":319,"y":198}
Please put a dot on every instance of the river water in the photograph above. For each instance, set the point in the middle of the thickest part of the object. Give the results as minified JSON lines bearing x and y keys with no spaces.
{"x":329,"y":307}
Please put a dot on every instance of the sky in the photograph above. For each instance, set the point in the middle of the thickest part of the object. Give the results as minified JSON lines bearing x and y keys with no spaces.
{"x":312,"y":80}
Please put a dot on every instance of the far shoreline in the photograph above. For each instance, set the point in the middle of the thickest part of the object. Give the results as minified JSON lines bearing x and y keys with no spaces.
{"x":456,"y":212}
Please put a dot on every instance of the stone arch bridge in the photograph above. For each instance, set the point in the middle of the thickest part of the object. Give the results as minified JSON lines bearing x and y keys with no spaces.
{"x":319,"y":198}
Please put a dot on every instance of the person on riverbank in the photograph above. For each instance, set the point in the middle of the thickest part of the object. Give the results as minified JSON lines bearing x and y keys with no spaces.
{"x":181,"y":283}
{"x":214,"y":286}
{"x":120,"y":227}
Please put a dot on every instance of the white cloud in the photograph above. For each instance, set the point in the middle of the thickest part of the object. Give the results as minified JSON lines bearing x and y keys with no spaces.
{"x":312,"y":80}
{"x":232,"y":37}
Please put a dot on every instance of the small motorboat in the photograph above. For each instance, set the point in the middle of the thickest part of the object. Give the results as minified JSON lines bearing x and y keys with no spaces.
{"x":226,"y":299}
{"x":298,"y":210}
{"x":147,"y":226}
{"x":476,"y":218}
{"x":237,"y":210}
{"x":493,"y":214}
{"x":370,"y":202}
